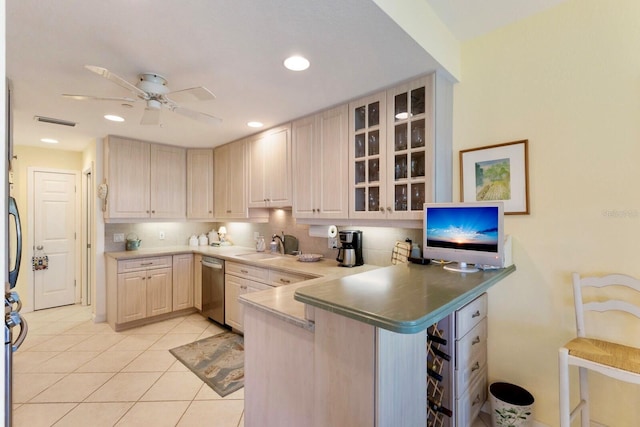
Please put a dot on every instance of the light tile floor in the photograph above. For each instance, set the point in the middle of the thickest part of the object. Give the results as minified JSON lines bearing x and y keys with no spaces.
{"x":73,"y":372}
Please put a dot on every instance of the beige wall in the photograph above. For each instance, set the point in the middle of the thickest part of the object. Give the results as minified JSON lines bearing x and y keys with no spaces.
{"x":28,"y":157}
{"x":568,"y":80}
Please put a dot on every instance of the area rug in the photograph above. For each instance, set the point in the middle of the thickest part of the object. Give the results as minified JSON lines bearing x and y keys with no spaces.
{"x":217,"y":360}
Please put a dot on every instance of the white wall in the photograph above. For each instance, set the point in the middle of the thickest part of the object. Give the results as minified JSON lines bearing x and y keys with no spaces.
{"x":568,"y":80}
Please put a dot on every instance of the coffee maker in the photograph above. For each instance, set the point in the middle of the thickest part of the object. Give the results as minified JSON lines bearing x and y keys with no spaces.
{"x":350,"y":250}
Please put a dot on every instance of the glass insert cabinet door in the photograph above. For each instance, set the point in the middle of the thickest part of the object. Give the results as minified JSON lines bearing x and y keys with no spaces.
{"x":410,"y":156}
{"x":367,"y":149}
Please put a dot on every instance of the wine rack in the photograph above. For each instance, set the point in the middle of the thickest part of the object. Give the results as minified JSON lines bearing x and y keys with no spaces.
{"x":438,"y":415}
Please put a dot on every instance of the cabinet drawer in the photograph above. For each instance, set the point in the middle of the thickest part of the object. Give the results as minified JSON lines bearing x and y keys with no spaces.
{"x":470,"y":315}
{"x":467,"y":374}
{"x":467,"y":347}
{"x":468,"y":405}
{"x":281,"y":278}
{"x":247,"y":271}
{"x":138,"y":264}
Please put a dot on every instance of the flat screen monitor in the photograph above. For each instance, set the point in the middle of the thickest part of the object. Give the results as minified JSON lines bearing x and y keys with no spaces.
{"x":464,"y":233}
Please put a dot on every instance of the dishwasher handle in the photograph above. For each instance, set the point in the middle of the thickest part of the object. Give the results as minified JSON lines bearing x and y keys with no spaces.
{"x":216,"y":265}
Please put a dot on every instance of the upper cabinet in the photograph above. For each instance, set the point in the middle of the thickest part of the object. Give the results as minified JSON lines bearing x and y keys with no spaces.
{"x":200,"y":183}
{"x":397,"y":158}
{"x":321,"y":165}
{"x":230,"y":181}
{"x":145,"y":180}
{"x":269,"y":168}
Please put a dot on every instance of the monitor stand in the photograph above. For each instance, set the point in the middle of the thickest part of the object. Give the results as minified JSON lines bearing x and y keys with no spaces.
{"x":461,"y":267}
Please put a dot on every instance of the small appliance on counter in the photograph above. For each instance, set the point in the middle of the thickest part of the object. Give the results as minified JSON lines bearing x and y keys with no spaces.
{"x":133,"y":243}
{"x":350,"y":250}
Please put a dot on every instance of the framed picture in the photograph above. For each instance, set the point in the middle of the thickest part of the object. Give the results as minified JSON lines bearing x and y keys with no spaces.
{"x":497,"y":172}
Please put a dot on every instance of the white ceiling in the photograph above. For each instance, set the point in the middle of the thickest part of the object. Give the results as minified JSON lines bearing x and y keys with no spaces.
{"x":233,"y":47}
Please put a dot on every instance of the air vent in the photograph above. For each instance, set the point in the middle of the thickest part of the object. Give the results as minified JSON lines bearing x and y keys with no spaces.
{"x":54,"y":121}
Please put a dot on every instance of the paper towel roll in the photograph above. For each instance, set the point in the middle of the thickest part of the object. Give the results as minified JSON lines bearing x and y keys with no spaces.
{"x":323,"y":231}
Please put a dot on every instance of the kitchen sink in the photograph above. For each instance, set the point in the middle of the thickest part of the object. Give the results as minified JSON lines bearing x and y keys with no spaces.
{"x":258,"y":255}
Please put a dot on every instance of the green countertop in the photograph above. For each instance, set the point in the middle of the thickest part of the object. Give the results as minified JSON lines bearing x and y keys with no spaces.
{"x":406,"y":298}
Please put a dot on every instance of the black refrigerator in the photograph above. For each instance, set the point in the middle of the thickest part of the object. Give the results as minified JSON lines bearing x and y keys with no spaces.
{"x":12,"y":245}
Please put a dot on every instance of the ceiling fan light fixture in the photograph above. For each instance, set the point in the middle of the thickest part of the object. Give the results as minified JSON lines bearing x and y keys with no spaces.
{"x":296,"y":63}
{"x":255,"y":124}
{"x":114,"y":118}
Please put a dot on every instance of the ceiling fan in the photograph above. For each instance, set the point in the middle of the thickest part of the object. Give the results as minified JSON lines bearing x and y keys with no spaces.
{"x":152,"y":88}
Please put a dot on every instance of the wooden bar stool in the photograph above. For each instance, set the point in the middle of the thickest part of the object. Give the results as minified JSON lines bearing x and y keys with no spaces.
{"x":608,"y":358}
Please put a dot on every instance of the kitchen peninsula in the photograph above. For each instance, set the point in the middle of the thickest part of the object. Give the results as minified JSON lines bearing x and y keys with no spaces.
{"x":358,"y":356}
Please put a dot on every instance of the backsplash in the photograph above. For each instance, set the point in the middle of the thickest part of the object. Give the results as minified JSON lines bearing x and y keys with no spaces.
{"x":377,"y":241}
{"x":175,"y":233}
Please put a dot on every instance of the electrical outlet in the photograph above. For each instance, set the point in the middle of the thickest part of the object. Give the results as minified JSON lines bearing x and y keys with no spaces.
{"x":161,"y":235}
{"x":333,"y":242}
{"x":118,"y":237}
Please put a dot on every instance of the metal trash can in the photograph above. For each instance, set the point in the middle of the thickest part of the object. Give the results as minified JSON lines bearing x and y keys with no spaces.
{"x":511,"y":405}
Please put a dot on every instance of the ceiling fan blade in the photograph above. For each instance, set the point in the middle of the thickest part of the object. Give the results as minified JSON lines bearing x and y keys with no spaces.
{"x":196,"y":115}
{"x":117,"y":80}
{"x":199,"y":93}
{"x":151,"y":116}
{"x":97,"y":98}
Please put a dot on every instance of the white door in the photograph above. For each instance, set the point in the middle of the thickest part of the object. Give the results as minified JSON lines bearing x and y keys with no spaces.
{"x":54,"y":233}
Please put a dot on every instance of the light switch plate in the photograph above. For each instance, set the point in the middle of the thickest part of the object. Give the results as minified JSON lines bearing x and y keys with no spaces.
{"x":118,"y":237}
{"x":161,"y":235}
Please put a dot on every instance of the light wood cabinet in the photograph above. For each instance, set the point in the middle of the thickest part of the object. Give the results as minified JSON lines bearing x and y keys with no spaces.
{"x":143,"y":288}
{"x":183,"y":283}
{"x":269,"y":168}
{"x":159,"y":291}
{"x":145,"y":180}
{"x":127,"y":173}
{"x":230,"y":181}
{"x":400,"y":150}
{"x":197,"y":281}
{"x":242,"y":279}
{"x":200,"y":184}
{"x":321,"y":165}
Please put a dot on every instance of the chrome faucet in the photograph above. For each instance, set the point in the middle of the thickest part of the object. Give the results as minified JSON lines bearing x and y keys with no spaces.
{"x":275,"y":236}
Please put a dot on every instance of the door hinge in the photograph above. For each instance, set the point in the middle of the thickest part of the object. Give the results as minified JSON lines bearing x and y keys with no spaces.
{"x":88,"y":245}
{"x":74,"y":283}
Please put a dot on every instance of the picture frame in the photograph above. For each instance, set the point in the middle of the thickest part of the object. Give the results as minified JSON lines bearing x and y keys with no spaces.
{"x":497,"y":172}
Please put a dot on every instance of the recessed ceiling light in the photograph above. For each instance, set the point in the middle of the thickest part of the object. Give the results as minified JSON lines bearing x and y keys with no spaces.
{"x":296,"y":63}
{"x":49,"y":140}
{"x":255,"y":124}
{"x":113,"y":118}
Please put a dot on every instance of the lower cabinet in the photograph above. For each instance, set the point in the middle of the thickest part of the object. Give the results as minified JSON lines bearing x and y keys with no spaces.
{"x":182,"y":281}
{"x":144,"y":290}
{"x":463,"y":387}
{"x":242,"y":279}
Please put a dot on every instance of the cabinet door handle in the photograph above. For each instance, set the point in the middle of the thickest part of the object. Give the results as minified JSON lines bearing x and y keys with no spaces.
{"x":476,"y":314}
{"x":475,"y":367}
{"x":228,"y":210}
{"x":144,"y":278}
{"x":146,"y":263}
{"x":388,"y":208}
{"x":153,"y":212}
{"x":381,"y":209}
{"x":285,"y":281}
{"x":476,"y":400}
{"x":244,"y":271}
{"x":475,"y":341}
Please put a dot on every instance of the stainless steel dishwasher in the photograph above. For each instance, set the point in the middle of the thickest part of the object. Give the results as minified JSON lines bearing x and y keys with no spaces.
{"x":213,"y":288}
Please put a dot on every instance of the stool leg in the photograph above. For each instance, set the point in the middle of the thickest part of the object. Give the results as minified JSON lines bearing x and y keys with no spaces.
{"x":563,"y":372}
{"x":585,"y":418}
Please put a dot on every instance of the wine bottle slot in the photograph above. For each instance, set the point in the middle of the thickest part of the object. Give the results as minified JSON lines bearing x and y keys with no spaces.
{"x":441,"y":354}
{"x":434,"y":374}
{"x":437,"y":339}
{"x":439,"y":408}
